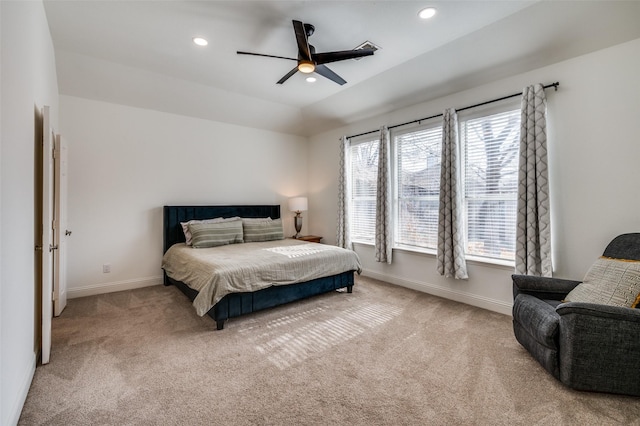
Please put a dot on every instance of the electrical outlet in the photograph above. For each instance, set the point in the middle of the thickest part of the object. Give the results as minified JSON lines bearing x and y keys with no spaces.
{"x":106,"y":268}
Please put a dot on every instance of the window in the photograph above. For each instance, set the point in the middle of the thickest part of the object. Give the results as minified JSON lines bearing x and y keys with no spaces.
{"x":364,"y":171}
{"x":417,"y":187}
{"x":489,"y":144}
{"x":490,"y":178}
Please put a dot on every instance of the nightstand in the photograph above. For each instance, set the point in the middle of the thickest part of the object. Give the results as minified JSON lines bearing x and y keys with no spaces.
{"x":310,"y":238}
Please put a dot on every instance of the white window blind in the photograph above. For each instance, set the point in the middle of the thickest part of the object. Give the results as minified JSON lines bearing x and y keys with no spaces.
{"x":417,"y":164}
{"x":364,"y":171}
{"x":491,"y":145}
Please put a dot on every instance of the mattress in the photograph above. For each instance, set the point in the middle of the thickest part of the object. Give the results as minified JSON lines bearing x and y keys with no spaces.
{"x":247,"y":267}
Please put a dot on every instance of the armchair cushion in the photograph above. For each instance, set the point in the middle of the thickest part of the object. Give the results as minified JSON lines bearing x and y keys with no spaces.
{"x":609,"y":282}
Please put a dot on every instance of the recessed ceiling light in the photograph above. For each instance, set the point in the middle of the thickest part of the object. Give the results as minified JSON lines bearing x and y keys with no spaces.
{"x":200,"y":41}
{"x":426,"y":13}
{"x":311,"y":79}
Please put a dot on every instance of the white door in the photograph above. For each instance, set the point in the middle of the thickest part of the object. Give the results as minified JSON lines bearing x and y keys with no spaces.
{"x":48,"y":246}
{"x":61,"y":231}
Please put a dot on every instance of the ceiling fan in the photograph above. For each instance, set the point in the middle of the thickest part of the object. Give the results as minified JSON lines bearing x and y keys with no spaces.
{"x":310,"y":61}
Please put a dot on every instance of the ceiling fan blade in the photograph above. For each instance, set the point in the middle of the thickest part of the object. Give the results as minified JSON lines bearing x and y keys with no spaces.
{"x":266,"y":56}
{"x":327,"y":57}
{"x":301,"y":38}
{"x":324,"y":71}
{"x":288,"y":75}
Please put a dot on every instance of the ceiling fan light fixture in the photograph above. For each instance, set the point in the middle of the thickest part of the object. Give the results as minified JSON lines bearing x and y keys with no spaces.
{"x":200,"y":41}
{"x":427,"y":12}
{"x":306,"y":67}
{"x":309,"y":60}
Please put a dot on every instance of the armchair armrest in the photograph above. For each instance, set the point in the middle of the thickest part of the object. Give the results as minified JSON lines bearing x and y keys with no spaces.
{"x":599,"y":347}
{"x":538,"y":318}
{"x":542,"y":287}
{"x":614,"y":313}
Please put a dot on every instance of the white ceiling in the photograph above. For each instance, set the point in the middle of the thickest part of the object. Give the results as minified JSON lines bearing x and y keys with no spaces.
{"x":140,"y":53}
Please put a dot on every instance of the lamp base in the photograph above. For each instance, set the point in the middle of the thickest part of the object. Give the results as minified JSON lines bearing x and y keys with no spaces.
{"x":298,"y":224}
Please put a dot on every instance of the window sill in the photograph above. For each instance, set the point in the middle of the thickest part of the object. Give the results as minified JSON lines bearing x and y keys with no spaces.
{"x":417,"y":250}
{"x":364,"y":243}
{"x":483,"y":261}
{"x":506,"y":264}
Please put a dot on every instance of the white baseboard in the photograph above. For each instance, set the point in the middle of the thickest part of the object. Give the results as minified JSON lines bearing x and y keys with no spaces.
{"x":470,"y":299}
{"x":21,"y":395}
{"x":93,"y":289}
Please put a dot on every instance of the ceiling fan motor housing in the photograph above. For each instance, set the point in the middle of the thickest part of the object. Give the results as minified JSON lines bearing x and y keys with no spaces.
{"x":309,"y":29}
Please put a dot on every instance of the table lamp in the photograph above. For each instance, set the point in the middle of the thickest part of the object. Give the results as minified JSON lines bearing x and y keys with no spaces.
{"x":297,"y":205}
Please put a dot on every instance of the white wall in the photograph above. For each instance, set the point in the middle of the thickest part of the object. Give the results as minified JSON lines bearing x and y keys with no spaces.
{"x":125,"y":163}
{"x":28,"y":82}
{"x":594,"y":123}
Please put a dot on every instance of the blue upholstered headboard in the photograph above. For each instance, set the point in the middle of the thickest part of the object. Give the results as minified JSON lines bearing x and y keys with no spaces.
{"x":173,"y":215}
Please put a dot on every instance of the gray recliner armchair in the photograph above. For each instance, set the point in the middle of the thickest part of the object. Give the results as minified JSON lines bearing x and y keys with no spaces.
{"x":587,"y":346}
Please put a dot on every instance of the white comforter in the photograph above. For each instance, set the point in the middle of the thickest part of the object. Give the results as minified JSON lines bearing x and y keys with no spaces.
{"x":239,"y":268}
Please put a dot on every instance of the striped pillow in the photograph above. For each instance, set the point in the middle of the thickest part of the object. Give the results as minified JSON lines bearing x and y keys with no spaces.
{"x":216,"y":234}
{"x":187,"y":233}
{"x":246,"y":220}
{"x":609,"y":282}
{"x":256,"y":231}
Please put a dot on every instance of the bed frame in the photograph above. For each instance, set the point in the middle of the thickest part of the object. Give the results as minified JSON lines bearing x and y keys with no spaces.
{"x":236,"y":304}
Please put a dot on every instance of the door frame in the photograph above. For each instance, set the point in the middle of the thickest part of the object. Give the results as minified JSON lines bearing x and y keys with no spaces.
{"x":60,"y":224}
{"x":48,"y":138}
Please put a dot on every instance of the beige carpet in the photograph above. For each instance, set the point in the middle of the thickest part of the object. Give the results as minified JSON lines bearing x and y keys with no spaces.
{"x":383,"y":355}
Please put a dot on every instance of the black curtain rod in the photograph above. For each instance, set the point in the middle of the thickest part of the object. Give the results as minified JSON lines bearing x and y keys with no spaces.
{"x":554,"y":85}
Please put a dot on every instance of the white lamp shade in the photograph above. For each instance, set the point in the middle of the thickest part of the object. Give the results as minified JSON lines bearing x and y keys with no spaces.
{"x":298,"y":204}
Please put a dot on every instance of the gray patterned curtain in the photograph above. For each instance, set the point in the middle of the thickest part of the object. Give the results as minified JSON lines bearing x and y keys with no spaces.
{"x":343,"y":238}
{"x":451,"y":261}
{"x":383,"y":200}
{"x":533,"y":233}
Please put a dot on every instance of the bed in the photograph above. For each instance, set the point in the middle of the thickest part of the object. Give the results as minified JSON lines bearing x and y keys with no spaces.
{"x":229,"y":303}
